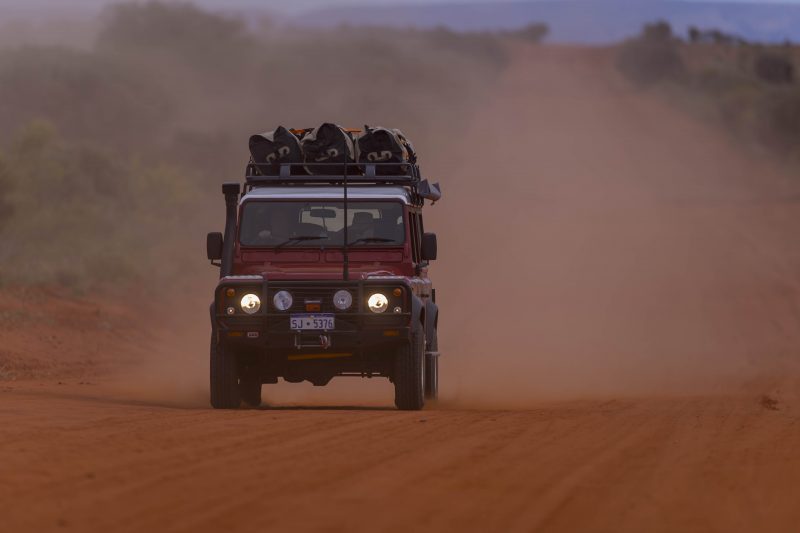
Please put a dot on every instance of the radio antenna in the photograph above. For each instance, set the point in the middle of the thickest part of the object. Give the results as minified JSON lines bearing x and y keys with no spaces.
{"x":345,"y":257}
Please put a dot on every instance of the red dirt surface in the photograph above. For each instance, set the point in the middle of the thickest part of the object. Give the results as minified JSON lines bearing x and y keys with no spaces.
{"x":55,"y":334}
{"x":620,"y":355}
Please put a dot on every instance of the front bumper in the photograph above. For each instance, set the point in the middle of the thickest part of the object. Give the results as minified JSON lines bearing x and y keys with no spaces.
{"x":354,"y":333}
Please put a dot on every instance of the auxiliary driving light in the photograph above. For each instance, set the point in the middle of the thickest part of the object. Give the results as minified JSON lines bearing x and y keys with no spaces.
{"x":282,"y":300}
{"x":251,"y":303}
{"x":378,"y":303}
{"x":342,"y":300}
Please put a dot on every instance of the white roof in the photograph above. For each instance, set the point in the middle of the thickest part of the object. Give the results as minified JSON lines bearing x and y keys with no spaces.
{"x":331,"y":192}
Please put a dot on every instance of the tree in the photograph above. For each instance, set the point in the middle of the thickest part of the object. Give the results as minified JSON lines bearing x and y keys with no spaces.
{"x":651,"y":57}
{"x":535,"y":32}
{"x":197,"y":37}
{"x":774,"y":68}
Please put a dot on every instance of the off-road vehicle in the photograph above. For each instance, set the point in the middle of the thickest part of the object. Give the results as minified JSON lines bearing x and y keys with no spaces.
{"x":303,"y":295}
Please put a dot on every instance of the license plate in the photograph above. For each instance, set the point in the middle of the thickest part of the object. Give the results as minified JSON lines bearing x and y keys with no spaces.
{"x":311,"y":322}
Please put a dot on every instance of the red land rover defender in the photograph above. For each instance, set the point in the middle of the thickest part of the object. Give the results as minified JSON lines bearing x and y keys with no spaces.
{"x":303,"y":295}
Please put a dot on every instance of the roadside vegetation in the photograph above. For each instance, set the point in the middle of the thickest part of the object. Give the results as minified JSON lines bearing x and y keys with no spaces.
{"x":111,"y":157}
{"x":76,"y":213}
{"x":752,"y":89}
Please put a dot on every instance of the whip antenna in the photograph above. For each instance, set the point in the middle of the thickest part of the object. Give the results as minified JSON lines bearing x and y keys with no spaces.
{"x":345,"y":257}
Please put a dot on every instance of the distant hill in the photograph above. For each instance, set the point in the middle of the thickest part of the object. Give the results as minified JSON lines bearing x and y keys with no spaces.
{"x":578,"y":21}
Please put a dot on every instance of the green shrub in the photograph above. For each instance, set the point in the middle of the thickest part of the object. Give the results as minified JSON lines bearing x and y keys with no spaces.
{"x":780,"y":119}
{"x":83,"y":216}
{"x":535,"y":32}
{"x":179,"y":31}
{"x":85,"y":95}
{"x":651,"y":57}
{"x":774,"y":68}
{"x":748,"y":87}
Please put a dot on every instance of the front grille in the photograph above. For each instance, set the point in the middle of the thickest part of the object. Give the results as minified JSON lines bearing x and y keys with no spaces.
{"x":301,"y":295}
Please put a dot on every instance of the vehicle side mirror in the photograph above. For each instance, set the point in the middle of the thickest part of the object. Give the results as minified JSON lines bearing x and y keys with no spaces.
{"x":214,"y":246}
{"x":429,"y":246}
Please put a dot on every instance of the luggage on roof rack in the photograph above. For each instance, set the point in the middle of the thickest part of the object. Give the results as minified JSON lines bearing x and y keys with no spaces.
{"x":328,"y":143}
{"x":272,"y":148}
{"x":385,"y":145}
{"x":319,"y":157}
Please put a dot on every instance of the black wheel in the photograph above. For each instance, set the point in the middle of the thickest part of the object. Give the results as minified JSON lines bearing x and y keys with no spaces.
{"x":250,"y":387}
{"x":432,"y":369}
{"x":409,"y":373}
{"x":225,"y":393}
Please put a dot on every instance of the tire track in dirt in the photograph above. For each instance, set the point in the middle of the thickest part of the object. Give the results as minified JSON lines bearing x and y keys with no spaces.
{"x":689,"y":464}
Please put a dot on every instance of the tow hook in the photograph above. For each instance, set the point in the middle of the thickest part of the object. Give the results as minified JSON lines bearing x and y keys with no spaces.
{"x":324,"y":342}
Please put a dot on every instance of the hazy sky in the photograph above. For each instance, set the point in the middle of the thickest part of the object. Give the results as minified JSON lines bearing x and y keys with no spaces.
{"x":290,"y":6}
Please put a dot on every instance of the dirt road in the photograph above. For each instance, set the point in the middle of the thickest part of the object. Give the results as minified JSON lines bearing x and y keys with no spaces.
{"x":77,"y":457}
{"x":642,"y":337}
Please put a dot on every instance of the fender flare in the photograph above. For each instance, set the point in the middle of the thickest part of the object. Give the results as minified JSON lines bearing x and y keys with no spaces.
{"x":431,"y":321}
{"x":213,"y":322}
{"x":418,"y":312}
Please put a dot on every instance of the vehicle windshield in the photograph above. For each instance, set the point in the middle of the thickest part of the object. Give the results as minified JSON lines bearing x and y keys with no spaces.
{"x":320,"y":223}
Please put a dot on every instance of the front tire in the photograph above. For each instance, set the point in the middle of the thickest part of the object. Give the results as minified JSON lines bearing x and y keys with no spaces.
{"x":409,"y":373}
{"x":225,"y":392}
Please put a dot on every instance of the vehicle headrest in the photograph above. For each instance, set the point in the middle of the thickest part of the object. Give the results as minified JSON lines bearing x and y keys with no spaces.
{"x":362,"y":217}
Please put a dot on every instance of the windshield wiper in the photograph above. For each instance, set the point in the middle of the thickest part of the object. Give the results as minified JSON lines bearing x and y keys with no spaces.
{"x":371,"y":239}
{"x":299,"y":238}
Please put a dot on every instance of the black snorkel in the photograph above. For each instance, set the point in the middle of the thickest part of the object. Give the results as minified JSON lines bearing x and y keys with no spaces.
{"x":231,"y":193}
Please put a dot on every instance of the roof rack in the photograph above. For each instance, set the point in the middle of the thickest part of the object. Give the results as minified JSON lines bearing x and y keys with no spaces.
{"x":403,"y":174}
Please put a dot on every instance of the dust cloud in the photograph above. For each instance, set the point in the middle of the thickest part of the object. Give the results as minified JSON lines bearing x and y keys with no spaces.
{"x":595,"y":242}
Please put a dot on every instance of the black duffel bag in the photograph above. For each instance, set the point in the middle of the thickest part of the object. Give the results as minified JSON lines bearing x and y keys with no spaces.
{"x":328,"y":143}
{"x":384,"y":145}
{"x":272,"y":148}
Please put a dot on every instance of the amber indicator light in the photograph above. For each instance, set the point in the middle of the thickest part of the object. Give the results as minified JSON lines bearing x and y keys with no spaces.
{"x":397,"y":292}
{"x":230,"y":293}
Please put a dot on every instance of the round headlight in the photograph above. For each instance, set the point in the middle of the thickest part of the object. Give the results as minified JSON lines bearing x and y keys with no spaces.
{"x":377,"y":303}
{"x":282,"y":300}
{"x":251,"y":303}
{"x":342,"y":300}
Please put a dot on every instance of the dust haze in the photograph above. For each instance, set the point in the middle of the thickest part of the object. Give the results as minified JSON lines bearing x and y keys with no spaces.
{"x":594,"y":243}
{"x":618,"y":279}
{"x":608,"y":245}
{"x":593,"y":240}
